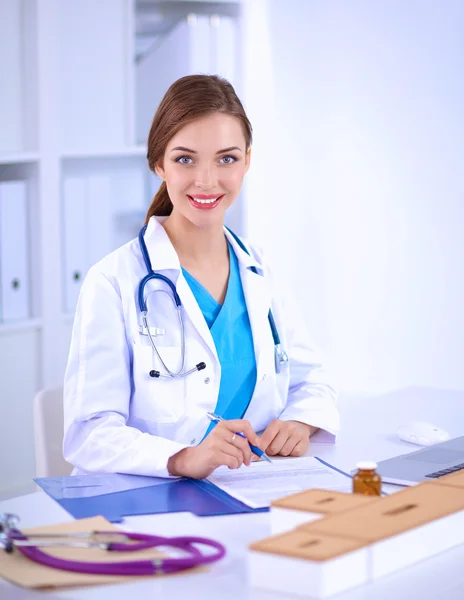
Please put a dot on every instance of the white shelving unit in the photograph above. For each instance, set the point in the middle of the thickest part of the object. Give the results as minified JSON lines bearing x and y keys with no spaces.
{"x":80,"y":82}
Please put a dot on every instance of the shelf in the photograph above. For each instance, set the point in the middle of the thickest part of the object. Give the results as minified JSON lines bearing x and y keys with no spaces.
{"x":13,"y":327}
{"x":20,"y":158}
{"x":106,"y":153}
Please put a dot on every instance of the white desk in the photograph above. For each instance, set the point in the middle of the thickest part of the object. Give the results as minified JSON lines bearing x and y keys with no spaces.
{"x":368,"y":432}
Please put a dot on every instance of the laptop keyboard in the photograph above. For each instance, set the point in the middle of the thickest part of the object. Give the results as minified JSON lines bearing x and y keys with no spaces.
{"x":447,"y":471}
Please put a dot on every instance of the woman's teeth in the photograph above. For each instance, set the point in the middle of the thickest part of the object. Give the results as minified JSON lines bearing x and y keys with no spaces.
{"x":210,"y":201}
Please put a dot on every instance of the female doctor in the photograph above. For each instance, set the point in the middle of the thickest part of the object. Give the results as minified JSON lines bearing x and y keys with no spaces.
{"x":137,"y":391}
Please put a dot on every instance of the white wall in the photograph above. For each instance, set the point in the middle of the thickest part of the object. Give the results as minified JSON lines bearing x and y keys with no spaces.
{"x":356,"y":186}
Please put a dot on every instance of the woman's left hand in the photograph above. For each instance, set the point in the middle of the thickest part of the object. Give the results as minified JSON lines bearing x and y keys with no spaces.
{"x":286,"y":438}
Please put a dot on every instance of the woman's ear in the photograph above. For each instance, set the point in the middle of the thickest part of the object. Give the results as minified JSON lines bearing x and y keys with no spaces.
{"x":247,"y":159}
{"x":159,"y":170}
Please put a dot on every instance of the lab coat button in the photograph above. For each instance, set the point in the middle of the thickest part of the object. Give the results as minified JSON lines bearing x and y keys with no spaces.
{"x":264,"y":377}
{"x":207,"y":379}
{"x":192,"y":441}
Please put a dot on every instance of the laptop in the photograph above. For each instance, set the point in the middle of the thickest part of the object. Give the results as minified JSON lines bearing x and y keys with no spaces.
{"x":425,"y":464}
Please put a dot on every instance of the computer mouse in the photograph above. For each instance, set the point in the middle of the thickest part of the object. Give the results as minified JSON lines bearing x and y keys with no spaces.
{"x":422,"y":433}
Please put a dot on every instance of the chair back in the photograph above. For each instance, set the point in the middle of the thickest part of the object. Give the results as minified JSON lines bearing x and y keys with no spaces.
{"x":48,"y":434}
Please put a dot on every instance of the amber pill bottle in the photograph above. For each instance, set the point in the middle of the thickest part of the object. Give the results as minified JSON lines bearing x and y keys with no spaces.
{"x":366,"y":480}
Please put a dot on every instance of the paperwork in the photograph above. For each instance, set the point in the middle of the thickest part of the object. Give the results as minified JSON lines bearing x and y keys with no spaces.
{"x":262,"y":482}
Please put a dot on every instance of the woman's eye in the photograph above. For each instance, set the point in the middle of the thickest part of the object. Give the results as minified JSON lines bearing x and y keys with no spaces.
{"x":228,"y":160}
{"x":225,"y":160}
{"x":184,"y":160}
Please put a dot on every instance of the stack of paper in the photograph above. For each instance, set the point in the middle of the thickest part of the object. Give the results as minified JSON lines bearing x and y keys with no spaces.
{"x":261,"y":483}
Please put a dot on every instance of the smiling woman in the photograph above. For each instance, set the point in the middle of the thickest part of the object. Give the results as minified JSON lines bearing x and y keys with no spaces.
{"x":199,"y":172}
{"x":133,"y":401}
{"x":201,"y":126}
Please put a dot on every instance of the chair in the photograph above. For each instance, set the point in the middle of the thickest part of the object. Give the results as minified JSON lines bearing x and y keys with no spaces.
{"x":48,"y":434}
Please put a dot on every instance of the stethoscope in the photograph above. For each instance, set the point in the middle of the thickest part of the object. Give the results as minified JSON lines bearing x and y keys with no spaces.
{"x":280,"y":356}
{"x":114,"y":541}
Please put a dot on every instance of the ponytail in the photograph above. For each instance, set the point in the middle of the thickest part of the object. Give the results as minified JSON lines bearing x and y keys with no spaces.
{"x":161,"y":205}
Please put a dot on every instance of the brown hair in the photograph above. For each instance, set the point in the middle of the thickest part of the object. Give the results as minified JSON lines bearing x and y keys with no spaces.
{"x":187,"y":99}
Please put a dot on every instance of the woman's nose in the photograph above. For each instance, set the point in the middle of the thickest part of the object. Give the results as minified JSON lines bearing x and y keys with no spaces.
{"x":206,"y":178}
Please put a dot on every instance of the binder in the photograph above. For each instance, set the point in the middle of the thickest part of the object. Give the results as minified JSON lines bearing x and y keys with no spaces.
{"x":12,"y":122}
{"x":224,"y":48}
{"x":14,"y":251}
{"x":202,"y":498}
{"x":99,"y":217}
{"x":75,"y":235}
{"x":185,"y":50}
{"x":200,"y":51}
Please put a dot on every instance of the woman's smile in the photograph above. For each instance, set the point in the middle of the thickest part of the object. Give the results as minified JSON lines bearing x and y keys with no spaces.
{"x":204,"y":202}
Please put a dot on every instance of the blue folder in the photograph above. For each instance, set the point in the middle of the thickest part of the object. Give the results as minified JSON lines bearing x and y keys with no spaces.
{"x":115,"y":496}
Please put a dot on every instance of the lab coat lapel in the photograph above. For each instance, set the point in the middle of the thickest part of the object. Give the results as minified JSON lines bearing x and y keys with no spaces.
{"x":257,"y":299}
{"x":194,"y":313}
{"x":164,"y":260}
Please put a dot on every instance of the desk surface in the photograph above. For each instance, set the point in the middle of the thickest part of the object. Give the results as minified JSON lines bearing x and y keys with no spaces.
{"x":368,"y":433}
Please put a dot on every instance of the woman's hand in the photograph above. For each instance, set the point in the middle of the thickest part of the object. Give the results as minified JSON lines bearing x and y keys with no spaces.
{"x":286,"y":438}
{"x":222,"y":446}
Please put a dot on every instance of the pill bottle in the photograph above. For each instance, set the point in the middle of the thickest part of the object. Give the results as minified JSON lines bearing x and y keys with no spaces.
{"x":366,"y":480}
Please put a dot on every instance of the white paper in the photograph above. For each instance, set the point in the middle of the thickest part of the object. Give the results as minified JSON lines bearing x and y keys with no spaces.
{"x":262,"y":482}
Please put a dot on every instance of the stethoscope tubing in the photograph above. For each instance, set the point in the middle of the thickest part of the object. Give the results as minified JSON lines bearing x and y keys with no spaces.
{"x":281,"y":358}
{"x":132,"y":568}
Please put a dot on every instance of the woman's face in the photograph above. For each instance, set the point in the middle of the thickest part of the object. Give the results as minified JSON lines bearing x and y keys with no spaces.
{"x":203,"y":167}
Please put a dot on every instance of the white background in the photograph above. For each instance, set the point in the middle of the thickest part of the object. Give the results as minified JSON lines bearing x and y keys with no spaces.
{"x":357,"y":183}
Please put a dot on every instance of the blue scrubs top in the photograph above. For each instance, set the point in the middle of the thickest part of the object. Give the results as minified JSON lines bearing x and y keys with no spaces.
{"x":231,"y":331}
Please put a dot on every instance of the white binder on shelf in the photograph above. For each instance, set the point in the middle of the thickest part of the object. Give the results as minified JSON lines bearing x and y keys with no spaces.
{"x":224,"y":48}
{"x":14,"y":252}
{"x":90,"y":228}
{"x":11,"y":117}
{"x":200,"y":50}
{"x":99,"y":217}
{"x":75,"y":239}
{"x":185,"y":50}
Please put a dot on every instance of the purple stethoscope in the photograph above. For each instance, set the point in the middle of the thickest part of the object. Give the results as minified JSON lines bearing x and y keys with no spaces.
{"x":11,"y":537}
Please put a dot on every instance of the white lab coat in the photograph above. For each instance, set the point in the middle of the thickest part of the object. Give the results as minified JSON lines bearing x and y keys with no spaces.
{"x":119,"y":419}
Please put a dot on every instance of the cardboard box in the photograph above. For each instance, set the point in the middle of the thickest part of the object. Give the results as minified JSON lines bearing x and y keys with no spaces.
{"x":307,"y":564}
{"x":310,"y":505}
{"x":404,"y":528}
{"x":453,"y":479}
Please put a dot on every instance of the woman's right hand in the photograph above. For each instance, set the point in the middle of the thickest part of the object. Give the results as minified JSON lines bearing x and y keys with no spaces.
{"x":222,"y":446}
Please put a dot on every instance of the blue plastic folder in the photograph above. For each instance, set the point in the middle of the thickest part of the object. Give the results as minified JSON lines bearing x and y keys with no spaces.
{"x":115,"y":496}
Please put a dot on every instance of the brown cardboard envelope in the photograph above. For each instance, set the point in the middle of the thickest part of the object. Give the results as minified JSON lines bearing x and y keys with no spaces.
{"x":22,"y":571}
